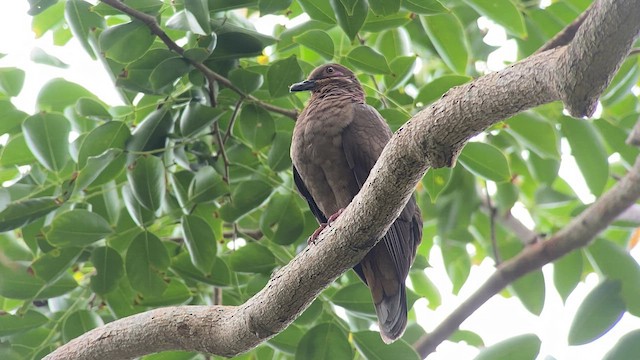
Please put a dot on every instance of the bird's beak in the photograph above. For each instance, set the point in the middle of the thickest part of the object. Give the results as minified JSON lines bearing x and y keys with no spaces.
{"x":303,"y":86}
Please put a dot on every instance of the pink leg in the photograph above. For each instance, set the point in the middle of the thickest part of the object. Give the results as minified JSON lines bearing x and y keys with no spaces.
{"x":332,"y":218}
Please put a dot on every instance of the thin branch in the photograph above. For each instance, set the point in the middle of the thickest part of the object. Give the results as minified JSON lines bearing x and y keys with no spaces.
{"x":221,"y":151}
{"x":492,"y":225}
{"x":635,"y":51}
{"x":578,"y":233}
{"x":211,"y":75}
{"x":232,"y":122}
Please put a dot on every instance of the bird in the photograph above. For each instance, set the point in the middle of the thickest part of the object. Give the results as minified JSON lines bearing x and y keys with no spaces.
{"x":336,"y":140}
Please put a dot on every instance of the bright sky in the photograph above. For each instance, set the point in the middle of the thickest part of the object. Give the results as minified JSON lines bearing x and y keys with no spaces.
{"x":497,"y":320}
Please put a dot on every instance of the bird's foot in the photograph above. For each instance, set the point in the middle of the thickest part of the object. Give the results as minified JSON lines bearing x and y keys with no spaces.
{"x":312,"y":239}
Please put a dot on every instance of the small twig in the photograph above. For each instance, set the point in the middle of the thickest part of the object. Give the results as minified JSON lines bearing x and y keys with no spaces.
{"x":211,"y":76}
{"x":254,"y":234}
{"x":634,"y":137}
{"x":382,"y":98}
{"x":217,"y":296}
{"x":492,"y":226}
{"x":635,"y":51}
{"x":221,"y":152}
{"x":234,"y":115}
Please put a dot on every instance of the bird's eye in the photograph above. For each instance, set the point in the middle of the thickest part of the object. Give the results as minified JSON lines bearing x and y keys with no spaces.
{"x":329,"y":70}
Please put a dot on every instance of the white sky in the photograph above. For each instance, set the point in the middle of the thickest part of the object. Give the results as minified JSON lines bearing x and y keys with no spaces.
{"x":497,"y":320}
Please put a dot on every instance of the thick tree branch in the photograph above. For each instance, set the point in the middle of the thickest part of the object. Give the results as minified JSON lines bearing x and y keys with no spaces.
{"x":211,"y":75}
{"x":432,"y":138}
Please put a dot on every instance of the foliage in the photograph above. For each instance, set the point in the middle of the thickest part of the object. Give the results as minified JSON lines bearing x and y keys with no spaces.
{"x":152,"y":202}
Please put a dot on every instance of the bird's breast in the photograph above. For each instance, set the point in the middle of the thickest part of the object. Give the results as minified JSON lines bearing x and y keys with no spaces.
{"x":318,"y":154}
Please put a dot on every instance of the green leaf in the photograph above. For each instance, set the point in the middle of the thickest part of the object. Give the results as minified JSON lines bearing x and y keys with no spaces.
{"x":543,"y":170}
{"x":530,"y":290}
{"x":401,"y":71}
{"x":424,"y":7}
{"x":486,"y":161}
{"x":95,"y":167}
{"x":504,"y":13}
{"x":600,"y":310}
{"x":78,"y":323}
{"x":350,"y":19}
{"x":616,"y":263}
{"x":77,"y":228}
{"x":146,"y":177}
{"x":278,"y":158}
{"x":23,"y":212}
{"x":47,"y":136}
{"x":589,"y":152}
{"x":39,"y":56}
{"x":152,"y":132}
{"x":207,"y":185}
{"x":368,"y":60}
{"x":468,"y":337}
{"x":355,"y":298}
{"x":372,"y":347}
{"x":256,"y":126}
{"x":394,"y":42}
{"x":247,"y":81}
{"x":11,"y":117}
{"x":447,"y":35}
{"x":424,"y":287}
{"x":318,"y":10}
{"x":92,"y":108}
{"x":252,"y":258}
{"x":375,"y":23}
{"x":522,"y":347}
{"x":14,"y":324}
{"x":272,"y":6}
{"x":318,"y":41}
{"x":109,"y":269}
{"x":145,"y":263}
{"x":11,"y":81}
{"x":95,"y":150}
{"x":384,"y":7}
{"x":435,"y":181}
{"x":219,"y":274}
{"x":438,"y":87}
{"x":287,"y":341}
{"x":83,"y":23}
{"x":168,"y":71}
{"x":196,"y":117}
{"x":283,"y":212}
{"x":457,"y":263}
{"x":246,"y":196}
{"x":236,"y":41}
{"x":538,"y":135}
{"x":18,"y":282}
{"x":126,"y":42}
{"x":140,"y":215}
{"x":567,"y":273}
{"x":325,"y":341}
{"x":282,"y":74}
{"x":200,"y":241}
{"x":627,"y":348}
{"x":16,"y":152}
{"x":58,"y":93}
{"x":50,"y":266}
{"x":200,"y":10}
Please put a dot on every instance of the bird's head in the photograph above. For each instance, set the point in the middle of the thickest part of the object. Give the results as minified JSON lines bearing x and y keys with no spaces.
{"x":334,"y":75}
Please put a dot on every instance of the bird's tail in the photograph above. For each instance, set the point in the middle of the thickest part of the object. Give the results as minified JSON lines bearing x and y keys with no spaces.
{"x":392,"y":314}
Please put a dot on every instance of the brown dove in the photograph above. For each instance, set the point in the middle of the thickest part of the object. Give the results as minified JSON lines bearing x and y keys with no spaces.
{"x":336,"y":141}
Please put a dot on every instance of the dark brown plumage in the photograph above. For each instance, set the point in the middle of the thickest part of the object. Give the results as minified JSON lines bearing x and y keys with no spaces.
{"x":336,"y":141}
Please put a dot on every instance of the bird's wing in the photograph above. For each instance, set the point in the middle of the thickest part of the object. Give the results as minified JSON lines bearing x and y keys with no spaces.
{"x":363,"y":141}
{"x":302,"y":188}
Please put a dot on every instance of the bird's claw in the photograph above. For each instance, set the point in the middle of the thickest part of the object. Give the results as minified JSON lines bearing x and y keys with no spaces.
{"x":312,"y":239}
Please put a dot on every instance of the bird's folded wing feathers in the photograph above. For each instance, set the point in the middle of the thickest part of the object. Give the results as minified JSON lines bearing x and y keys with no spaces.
{"x":363,"y":141}
{"x":302,"y":188}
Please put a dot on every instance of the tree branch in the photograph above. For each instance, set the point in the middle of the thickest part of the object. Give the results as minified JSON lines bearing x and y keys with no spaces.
{"x":211,"y":75}
{"x":432,"y":138}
